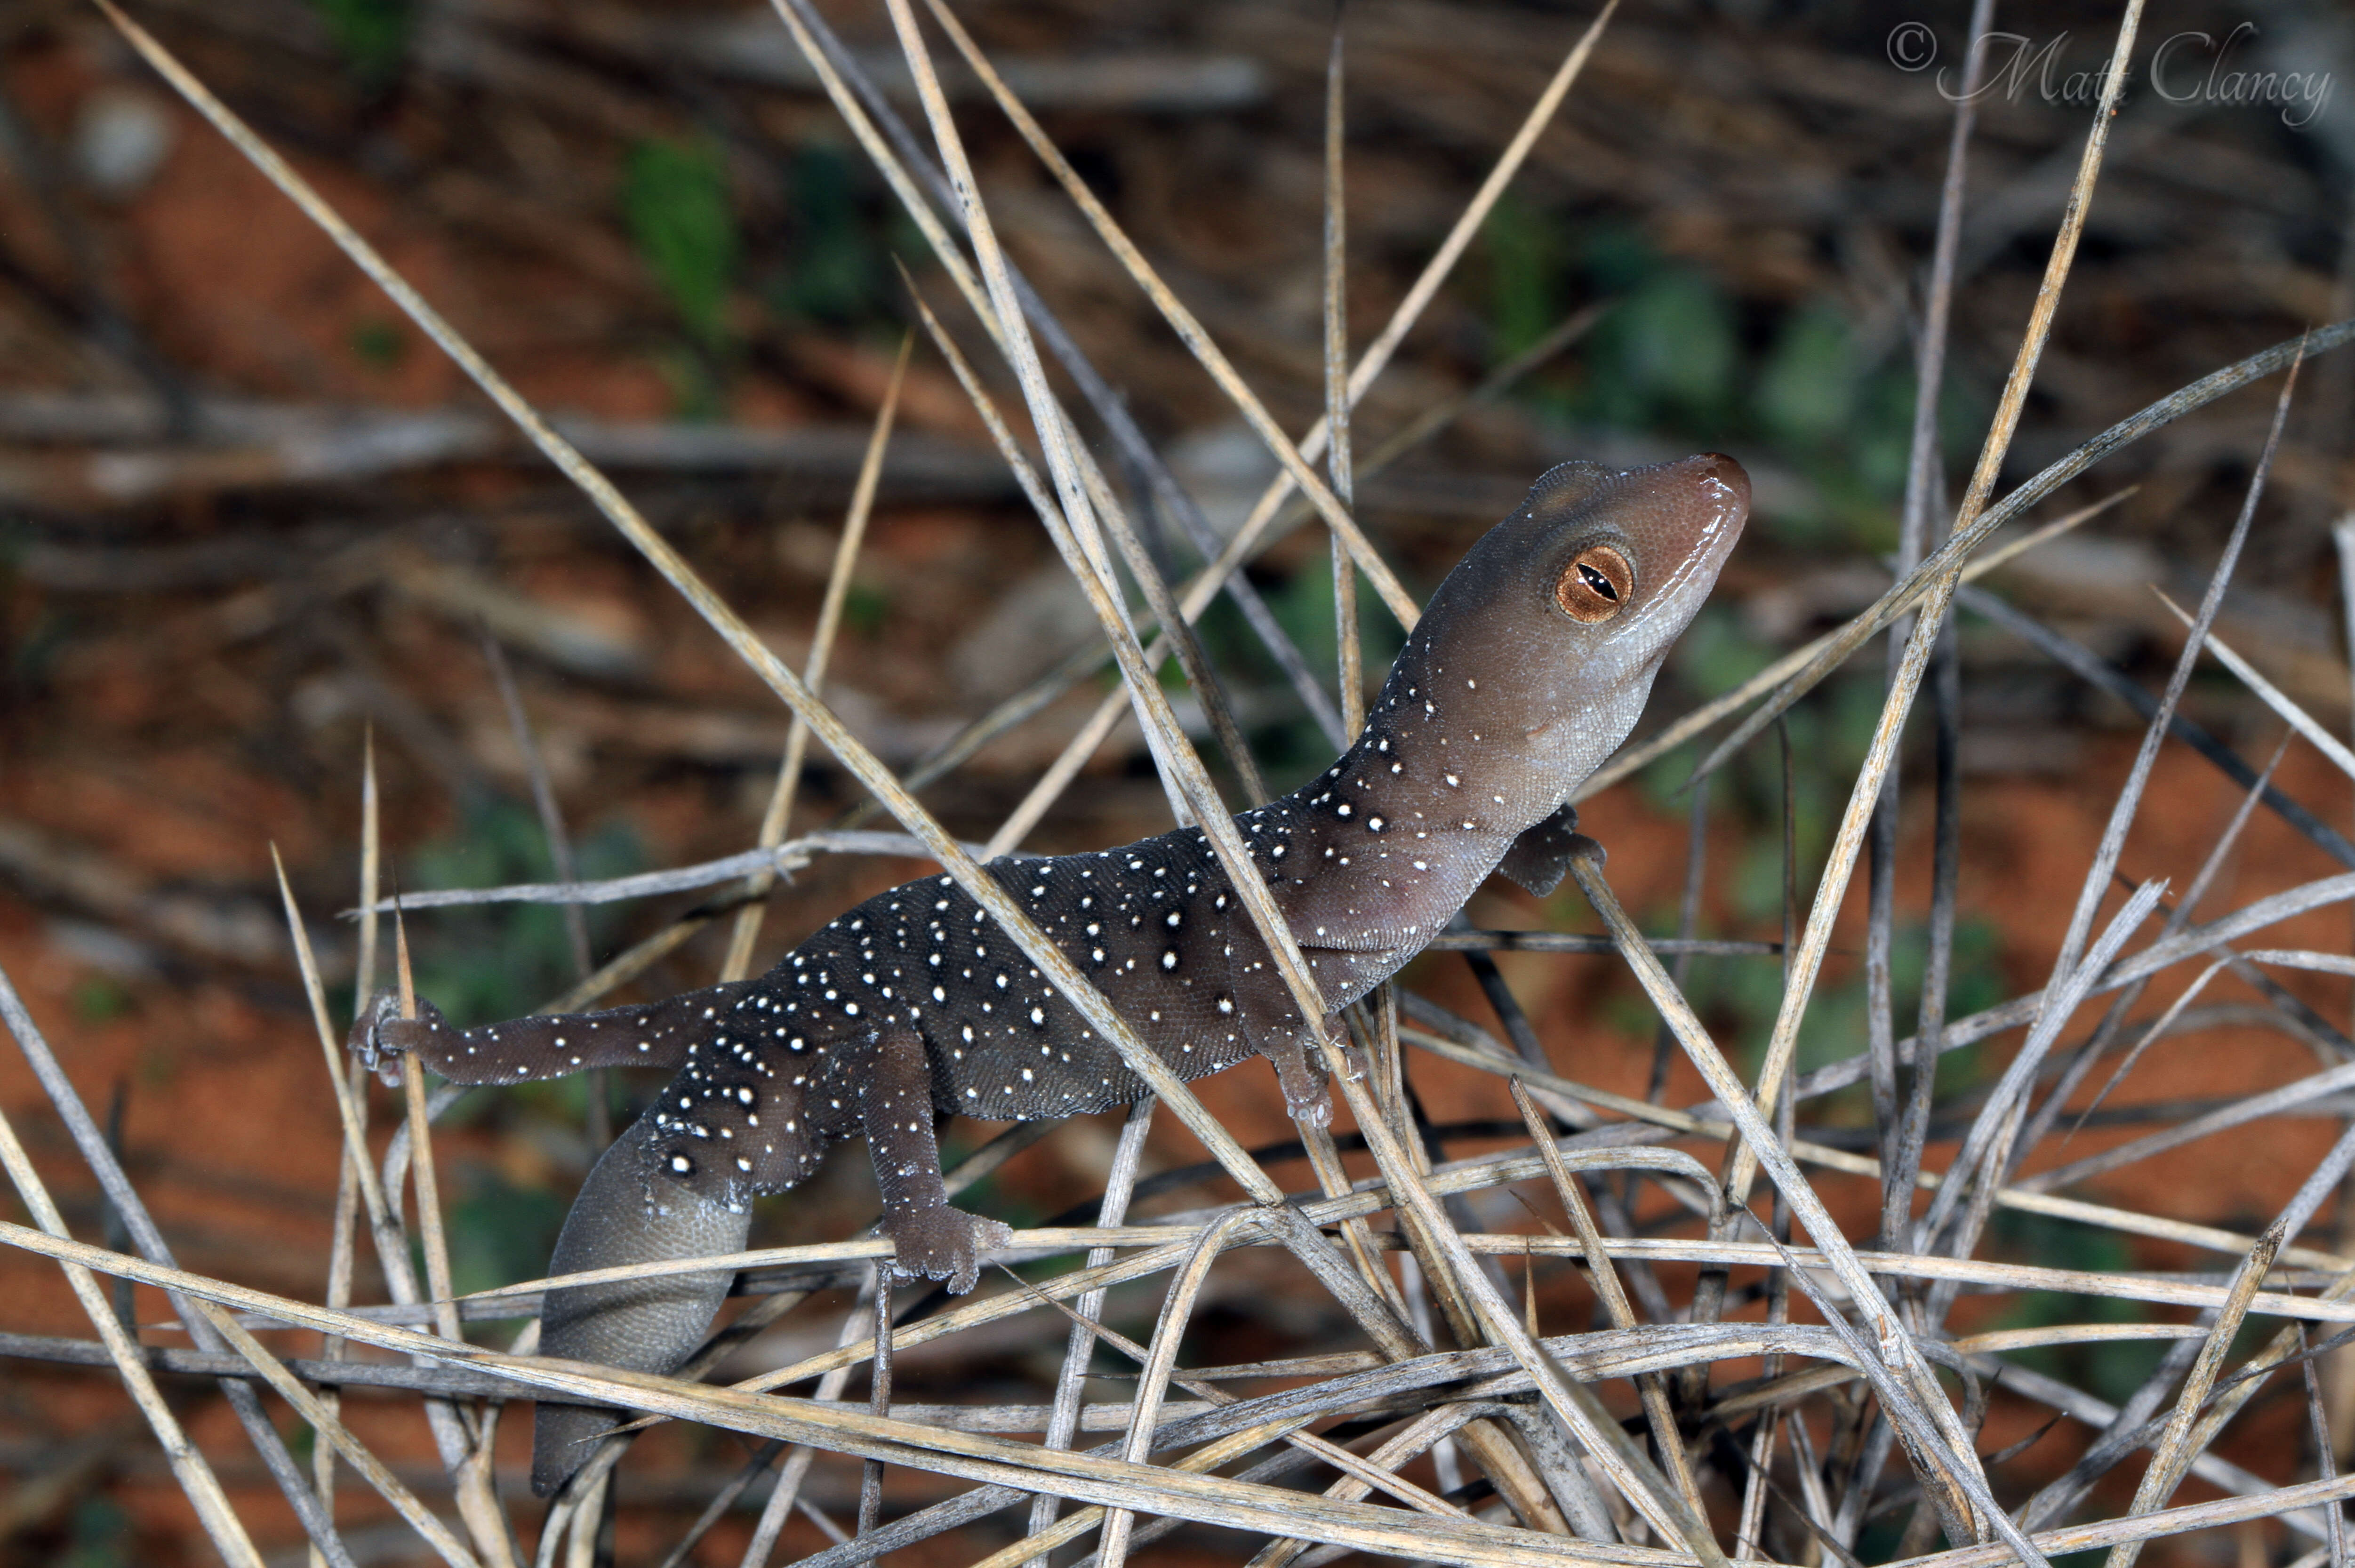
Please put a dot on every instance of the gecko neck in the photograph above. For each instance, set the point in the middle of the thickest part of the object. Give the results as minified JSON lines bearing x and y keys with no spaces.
{"x":1388,"y":843}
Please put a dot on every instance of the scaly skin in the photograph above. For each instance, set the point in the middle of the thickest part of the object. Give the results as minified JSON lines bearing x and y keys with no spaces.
{"x":1527,"y":670}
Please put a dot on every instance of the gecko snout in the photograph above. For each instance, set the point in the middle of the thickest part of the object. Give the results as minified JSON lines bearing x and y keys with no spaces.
{"x":1687,"y":514}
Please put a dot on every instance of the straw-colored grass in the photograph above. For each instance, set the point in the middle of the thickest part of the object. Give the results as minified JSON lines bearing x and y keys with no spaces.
{"x":1709,"y":1471}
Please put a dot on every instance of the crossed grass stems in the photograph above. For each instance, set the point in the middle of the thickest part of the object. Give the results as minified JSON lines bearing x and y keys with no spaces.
{"x":1571,"y":1481}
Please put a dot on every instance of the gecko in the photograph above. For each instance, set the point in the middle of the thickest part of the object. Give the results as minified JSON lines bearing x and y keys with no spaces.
{"x":1525,"y":673}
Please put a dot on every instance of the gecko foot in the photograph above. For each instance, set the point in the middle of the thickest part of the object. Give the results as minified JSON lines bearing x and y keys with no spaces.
{"x":942,"y":1243}
{"x":1306,"y":1098}
{"x":379,"y":1035}
{"x":1300,"y":1075}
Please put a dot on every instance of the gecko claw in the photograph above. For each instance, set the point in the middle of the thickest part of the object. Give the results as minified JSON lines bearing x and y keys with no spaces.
{"x":944,"y":1244}
{"x":381,"y":1035}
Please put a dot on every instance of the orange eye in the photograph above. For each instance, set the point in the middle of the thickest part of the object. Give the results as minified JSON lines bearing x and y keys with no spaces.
{"x":1594,"y":587}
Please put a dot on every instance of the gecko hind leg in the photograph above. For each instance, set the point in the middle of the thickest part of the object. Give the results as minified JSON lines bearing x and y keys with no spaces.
{"x":627,"y":1213}
{"x":935,"y":1240}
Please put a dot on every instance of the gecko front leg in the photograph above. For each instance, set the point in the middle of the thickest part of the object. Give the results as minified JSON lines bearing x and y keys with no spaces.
{"x":654,"y":1034}
{"x":1541,"y":857}
{"x":935,"y":1240}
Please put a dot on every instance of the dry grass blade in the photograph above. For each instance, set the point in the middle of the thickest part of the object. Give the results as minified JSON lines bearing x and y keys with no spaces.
{"x":2049,"y":1114}
{"x":317,"y":1520}
{"x":2172,"y":1457}
{"x":1160,"y":1361}
{"x":2330,"y":1080}
{"x":1077,"y":1523}
{"x":1633,"y":759}
{"x":2272,"y":697}
{"x":543,"y":801}
{"x":354,"y":1179}
{"x":1803,"y":966}
{"x":189,"y":1467}
{"x":971,"y":1456}
{"x":1893,"y":1344}
{"x":2335,"y":1518}
{"x":2013,"y":401}
{"x":739,"y":961}
{"x":1666,"y":1441}
{"x":790,"y":856}
{"x":424,"y":1179}
{"x":465,"y":1452}
{"x":2151,"y":1526}
{"x":1164,"y":1247}
{"x":1903,"y":1128}
{"x":323,"y":1422}
{"x":1120,"y":1184}
{"x":2056,"y":1003}
{"x":1435,"y":272}
{"x":862,"y":764}
{"x":349,"y":1098}
{"x":1189,"y":329}
{"x":865,"y":1249}
{"x":1338,"y":461}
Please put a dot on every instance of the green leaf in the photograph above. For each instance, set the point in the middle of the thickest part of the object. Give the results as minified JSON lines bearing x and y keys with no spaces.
{"x":1525,"y":269}
{"x":497,"y":961}
{"x":1667,"y":353}
{"x":834,"y":261}
{"x":675,"y":202}
{"x":371,"y":35}
{"x":1808,"y":392}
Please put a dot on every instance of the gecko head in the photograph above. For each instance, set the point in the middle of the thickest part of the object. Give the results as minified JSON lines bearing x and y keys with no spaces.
{"x":1555,"y":624}
{"x":1625,"y":558}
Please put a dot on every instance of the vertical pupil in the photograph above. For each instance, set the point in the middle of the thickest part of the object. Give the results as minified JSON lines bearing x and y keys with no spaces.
{"x":1597,"y":582}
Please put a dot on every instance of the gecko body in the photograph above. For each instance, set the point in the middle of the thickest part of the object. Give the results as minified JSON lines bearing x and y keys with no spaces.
{"x":1528,"y":669}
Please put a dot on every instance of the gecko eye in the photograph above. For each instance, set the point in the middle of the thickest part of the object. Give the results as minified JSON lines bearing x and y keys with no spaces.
{"x":1594,"y":586}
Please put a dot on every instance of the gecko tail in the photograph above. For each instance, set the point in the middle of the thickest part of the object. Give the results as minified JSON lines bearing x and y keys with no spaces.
{"x":625,"y":1215}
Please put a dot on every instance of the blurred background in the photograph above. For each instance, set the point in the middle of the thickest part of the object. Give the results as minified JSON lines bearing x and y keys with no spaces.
{"x":248,"y":515}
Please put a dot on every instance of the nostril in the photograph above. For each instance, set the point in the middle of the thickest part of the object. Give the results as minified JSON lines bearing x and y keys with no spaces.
{"x":1725,"y":471}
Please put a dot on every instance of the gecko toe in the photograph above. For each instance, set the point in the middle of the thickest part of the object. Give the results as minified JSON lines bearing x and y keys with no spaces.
{"x":944,"y":1244}
{"x":381,"y":1035}
{"x":1314,"y":1109}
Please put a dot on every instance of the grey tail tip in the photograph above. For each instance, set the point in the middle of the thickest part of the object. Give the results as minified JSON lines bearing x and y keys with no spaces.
{"x":563,"y":1437}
